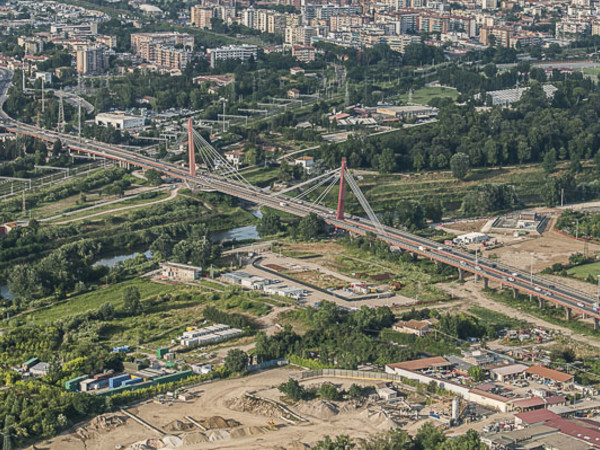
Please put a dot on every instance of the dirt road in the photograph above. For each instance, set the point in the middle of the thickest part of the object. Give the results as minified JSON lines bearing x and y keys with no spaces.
{"x":470,"y":294}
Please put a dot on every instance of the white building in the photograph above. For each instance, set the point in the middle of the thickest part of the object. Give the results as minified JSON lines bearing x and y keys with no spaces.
{"x":242,"y":52}
{"x":120,"y":121}
{"x":306,"y":162}
{"x":470,"y":238}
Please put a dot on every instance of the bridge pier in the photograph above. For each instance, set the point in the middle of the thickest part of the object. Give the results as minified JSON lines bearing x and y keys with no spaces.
{"x":541,"y":302}
{"x":514,"y":291}
{"x":485,"y":283}
{"x":461,"y":274}
{"x":596,"y":324}
{"x":568,"y":314}
{"x":583,"y":316}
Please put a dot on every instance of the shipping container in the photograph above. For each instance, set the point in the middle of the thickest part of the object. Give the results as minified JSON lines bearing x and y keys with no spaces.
{"x":117,"y":381}
{"x":172,"y":377}
{"x":162,"y":351}
{"x":132,"y":381}
{"x":73,"y":385}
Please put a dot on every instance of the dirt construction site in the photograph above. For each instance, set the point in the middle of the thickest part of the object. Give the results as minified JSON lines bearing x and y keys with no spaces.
{"x":243,"y":413}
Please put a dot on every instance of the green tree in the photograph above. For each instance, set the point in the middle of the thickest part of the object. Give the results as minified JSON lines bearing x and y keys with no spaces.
{"x":131,"y":301}
{"x":270,"y":224}
{"x":292,"y":390}
{"x":459,"y":164}
{"x":342,"y":442}
{"x":153,"y":177}
{"x":329,"y":391}
{"x":549,"y":161}
{"x":310,"y":226}
{"x":476,"y":374}
{"x":236,"y":360}
{"x":387,"y":161}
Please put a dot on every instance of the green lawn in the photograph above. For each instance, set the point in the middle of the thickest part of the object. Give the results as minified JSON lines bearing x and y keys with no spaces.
{"x":584,"y":270}
{"x":424,"y":95}
{"x":591,"y":71}
{"x":92,"y":300}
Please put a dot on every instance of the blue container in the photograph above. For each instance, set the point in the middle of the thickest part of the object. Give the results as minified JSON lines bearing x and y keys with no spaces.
{"x":117,"y":381}
{"x":132,"y":381}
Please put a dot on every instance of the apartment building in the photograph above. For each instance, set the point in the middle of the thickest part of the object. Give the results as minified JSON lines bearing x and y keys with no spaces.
{"x":304,"y":54}
{"x":242,"y":52}
{"x":168,"y":38}
{"x":92,"y":60}
{"x":502,"y":35}
{"x":201,"y":17}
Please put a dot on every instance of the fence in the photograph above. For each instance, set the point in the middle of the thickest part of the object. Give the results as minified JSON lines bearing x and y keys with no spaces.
{"x":343,"y":373}
{"x":268,"y":364}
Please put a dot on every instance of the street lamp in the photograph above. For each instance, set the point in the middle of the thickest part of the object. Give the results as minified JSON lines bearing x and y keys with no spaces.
{"x":531,"y":275}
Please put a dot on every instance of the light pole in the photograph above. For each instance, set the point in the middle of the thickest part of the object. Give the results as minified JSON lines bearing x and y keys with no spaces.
{"x":598,"y":296}
{"x":531,"y":276}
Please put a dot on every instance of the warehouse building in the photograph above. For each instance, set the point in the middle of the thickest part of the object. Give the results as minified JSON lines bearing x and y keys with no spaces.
{"x":120,"y":121}
{"x":180,"y":272}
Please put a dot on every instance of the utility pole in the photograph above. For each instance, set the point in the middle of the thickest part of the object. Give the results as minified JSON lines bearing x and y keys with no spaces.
{"x":79,"y":106}
{"x":61,"y":115}
{"x":531,"y":275}
{"x":43,"y":100}
{"x":562,"y":197}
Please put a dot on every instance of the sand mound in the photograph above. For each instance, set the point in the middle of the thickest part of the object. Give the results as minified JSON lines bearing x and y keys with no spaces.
{"x":101,"y":424}
{"x":247,"y":431}
{"x":194,"y":438}
{"x":218,"y":435}
{"x":178,"y":425}
{"x":379,"y":419}
{"x":217,"y":422}
{"x":256,"y":406}
{"x":172,"y":441}
{"x":317,"y":408}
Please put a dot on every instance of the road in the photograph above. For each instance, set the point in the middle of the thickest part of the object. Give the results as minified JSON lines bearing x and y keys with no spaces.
{"x":465,"y":262}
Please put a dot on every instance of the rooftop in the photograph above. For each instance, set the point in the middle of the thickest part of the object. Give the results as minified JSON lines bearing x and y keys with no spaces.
{"x":420,"y":364}
{"x":549,"y":374}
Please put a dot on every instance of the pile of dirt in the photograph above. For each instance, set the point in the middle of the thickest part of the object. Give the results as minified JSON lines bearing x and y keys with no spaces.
{"x":255,"y":406}
{"x":217,"y":422}
{"x":179,"y":426}
{"x":101,"y":424}
{"x":248,"y":431}
{"x":218,"y":435}
{"x":148,"y":444}
{"x":317,"y":408}
{"x":379,"y":419}
{"x":194,"y":438}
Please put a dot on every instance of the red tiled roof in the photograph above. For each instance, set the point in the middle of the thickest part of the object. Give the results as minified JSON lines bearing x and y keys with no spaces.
{"x":537,"y":416}
{"x":550,"y":374}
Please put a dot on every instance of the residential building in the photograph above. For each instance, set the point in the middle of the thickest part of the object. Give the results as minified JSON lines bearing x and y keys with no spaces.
{"x":243,"y":52}
{"x":417,"y":327}
{"x":306,"y":162}
{"x":304,"y":54}
{"x":180,"y":272}
{"x":201,"y":17}
{"x":92,"y":60}
{"x":167,"y":38}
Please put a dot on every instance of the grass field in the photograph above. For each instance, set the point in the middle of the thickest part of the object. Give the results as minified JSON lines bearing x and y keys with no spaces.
{"x":593,"y":71}
{"x":135,"y":201}
{"x":424,"y":95}
{"x":585,"y":270}
{"x":92,"y":300}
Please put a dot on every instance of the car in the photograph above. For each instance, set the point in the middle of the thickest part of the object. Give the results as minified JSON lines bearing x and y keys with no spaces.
{"x":440,"y":248}
{"x":478,"y":268}
{"x":492,"y":265}
{"x":515,"y":274}
{"x":548,"y":294}
{"x":511,"y":279}
{"x":538,"y":289}
{"x":462,"y":263}
{"x":581,"y":305}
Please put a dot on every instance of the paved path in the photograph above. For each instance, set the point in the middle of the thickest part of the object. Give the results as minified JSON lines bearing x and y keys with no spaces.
{"x":171,"y":196}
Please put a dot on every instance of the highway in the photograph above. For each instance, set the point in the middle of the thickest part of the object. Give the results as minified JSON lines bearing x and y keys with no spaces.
{"x":511,"y":277}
